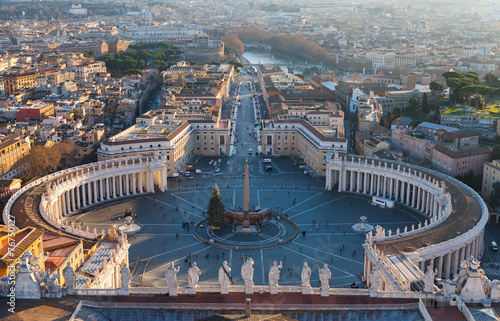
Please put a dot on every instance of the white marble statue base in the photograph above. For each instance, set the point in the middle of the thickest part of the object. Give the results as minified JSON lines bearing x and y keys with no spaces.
{"x":306,"y":290}
{"x":224,"y":290}
{"x":248,"y":288}
{"x":190,"y":291}
{"x":172,"y":292}
{"x":273,"y":289}
{"x":325,"y":292}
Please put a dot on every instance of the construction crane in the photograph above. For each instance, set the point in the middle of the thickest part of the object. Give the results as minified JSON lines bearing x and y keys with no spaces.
{"x":150,"y":61}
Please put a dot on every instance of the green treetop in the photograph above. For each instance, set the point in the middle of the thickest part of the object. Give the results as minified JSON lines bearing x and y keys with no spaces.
{"x":216,"y":209}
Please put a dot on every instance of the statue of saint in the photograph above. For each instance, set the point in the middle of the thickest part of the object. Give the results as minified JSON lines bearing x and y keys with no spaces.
{"x":429,"y":279}
{"x":125,"y":276}
{"x":69,"y":276}
{"x":171,"y":276}
{"x":224,"y":271}
{"x":274,"y":273}
{"x":375,"y":278}
{"x":306,"y":275}
{"x":194,"y":276}
{"x":324,"y":277}
{"x":247,"y":272}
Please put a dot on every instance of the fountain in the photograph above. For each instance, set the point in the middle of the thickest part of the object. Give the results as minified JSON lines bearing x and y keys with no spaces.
{"x":362,"y":226}
{"x":129,"y":227}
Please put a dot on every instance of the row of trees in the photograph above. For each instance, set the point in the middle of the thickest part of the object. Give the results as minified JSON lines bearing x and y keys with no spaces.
{"x":468,"y":87}
{"x":233,"y":43}
{"x":139,"y":55}
{"x":294,"y":44}
{"x":45,"y":160}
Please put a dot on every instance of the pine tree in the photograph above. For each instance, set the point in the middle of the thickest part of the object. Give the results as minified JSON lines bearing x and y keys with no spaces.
{"x":216,"y":209}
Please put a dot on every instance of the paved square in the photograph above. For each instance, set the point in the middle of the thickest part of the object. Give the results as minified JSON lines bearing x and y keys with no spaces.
{"x":326,"y":217}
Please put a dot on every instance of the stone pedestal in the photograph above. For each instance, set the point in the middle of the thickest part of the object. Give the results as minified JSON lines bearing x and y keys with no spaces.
{"x":172,"y":291}
{"x":224,"y":289}
{"x":273,"y":289}
{"x":306,"y":290}
{"x":325,"y":292}
{"x":249,"y":288}
{"x":190,"y":290}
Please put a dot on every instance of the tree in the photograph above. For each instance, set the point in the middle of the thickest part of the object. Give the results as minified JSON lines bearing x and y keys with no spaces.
{"x":216,"y":209}
{"x":436,"y":87}
{"x":44,"y":160}
{"x":425,"y":104}
{"x":233,"y":43}
{"x":397,"y":112}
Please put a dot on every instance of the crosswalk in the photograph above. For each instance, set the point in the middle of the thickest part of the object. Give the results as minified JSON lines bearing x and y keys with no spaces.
{"x":491,"y":268}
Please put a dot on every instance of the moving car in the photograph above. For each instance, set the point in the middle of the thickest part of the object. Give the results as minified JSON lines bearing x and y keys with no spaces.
{"x":268,"y":168}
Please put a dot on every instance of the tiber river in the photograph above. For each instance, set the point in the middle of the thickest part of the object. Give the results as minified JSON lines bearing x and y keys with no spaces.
{"x":267,"y":58}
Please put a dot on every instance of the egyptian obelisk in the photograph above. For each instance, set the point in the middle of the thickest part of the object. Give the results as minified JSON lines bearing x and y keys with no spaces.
{"x":246,"y":199}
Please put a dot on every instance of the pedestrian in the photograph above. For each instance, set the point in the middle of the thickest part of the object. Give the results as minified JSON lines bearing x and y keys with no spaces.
{"x":301,"y":249}
{"x":331,"y":259}
{"x":343,"y":247}
{"x":344,"y":233}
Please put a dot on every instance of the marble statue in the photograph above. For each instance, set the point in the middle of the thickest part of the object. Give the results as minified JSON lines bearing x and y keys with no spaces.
{"x":274,"y":273}
{"x":324,"y":277}
{"x":69,"y":276}
{"x":375,"y":279}
{"x":53,"y":288}
{"x":306,"y":276}
{"x":125,"y":276}
{"x":171,"y":277}
{"x":27,"y":282}
{"x":429,"y":279}
{"x":495,"y":290}
{"x":194,"y":276}
{"x":247,"y":275}
{"x":224,"y":280}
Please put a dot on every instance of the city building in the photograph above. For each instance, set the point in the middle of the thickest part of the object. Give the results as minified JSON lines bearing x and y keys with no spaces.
{"x":85,"y":70}
{"x":35,"y":111}
{"x":20,"y":81}
{"x":456,"y":162}
{"x":13,"y":150}
{"x":178,"y":142}
{"x":301,"y":139}
{"x":491,"y":175}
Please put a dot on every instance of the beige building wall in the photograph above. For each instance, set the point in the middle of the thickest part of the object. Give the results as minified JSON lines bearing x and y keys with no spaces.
{"x":491,"y":174}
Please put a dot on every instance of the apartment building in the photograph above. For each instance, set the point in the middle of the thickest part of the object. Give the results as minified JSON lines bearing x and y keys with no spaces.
{"x":20,"y":81}
{"x":491,"y":175}
{"x":85,"y":70}
{"x":35,"y":111}
{"x":456,"y":162}
{"x":300,"y":138}
{"x":382,"y":60}
{"x":13,"y":149}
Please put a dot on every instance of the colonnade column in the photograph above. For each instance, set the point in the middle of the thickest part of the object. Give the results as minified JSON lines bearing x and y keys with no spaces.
{"x":127,"y":184}
{"x":391,"y":184}
{"x":372,"y":179}
{"x":78,"y":203}
{"x":120,"y":193}
{"x":408,"y":193}
{"x":141,"y":186}
{"x":84,"y":195}
{"x":358,"y":184}
{"x":440,"y":266}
